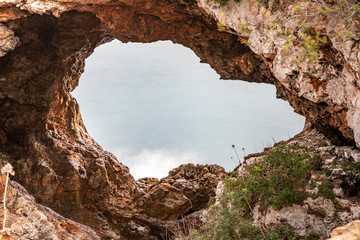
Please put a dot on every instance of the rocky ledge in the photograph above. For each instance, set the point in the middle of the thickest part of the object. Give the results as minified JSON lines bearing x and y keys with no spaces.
{"x":43,"y":47}
{"x":331,"y":196}
{"x":299,"y":189}
{"x":161,"y":206}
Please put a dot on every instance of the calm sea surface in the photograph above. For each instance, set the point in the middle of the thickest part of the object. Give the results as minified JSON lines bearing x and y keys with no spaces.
{"x":155,"y":106}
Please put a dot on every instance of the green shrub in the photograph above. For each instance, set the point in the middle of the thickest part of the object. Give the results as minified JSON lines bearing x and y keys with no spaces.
{"x":277,"y":180}
{"x":326,"y":189}
{"x":353,"y":167}
{"x":244,"y":230}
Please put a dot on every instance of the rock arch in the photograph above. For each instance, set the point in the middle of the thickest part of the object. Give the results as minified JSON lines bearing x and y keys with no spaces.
{"x":43,"y":46}
{"x":42,"y":131}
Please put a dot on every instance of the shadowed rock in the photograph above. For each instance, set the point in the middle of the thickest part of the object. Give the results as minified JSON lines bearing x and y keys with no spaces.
{"x":43,"y":47}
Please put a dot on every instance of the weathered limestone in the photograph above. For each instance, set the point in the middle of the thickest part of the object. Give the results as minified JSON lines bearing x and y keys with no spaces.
{"x":27,"y":219}
{"x":317,"y":214}
{"x":326,"y":92}
{"x":43,"y":47}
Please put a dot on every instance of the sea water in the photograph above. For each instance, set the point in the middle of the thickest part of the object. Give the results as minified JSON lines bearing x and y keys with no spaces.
{"x":155,"y":106}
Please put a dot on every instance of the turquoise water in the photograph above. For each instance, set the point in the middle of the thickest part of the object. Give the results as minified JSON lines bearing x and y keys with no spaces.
{"x":155,"y":106}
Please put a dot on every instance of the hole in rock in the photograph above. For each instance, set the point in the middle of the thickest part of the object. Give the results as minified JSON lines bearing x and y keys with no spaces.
{"x":155,"y":106}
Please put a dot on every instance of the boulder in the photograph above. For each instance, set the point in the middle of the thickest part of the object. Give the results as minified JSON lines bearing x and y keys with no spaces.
{"x":197,"y":182}
{"x":164,"y":202}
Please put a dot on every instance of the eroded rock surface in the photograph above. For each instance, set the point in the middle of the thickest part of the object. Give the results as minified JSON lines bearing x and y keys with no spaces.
{"x":27,"y":219}
{"x":188,"y":188}
{"x":325,"y":89}
{"x":197,"y":182}
{"x":43,"y":47}
{"x":164,"y":202}
{"x":318,"y":213}
{"x":8,"y":40}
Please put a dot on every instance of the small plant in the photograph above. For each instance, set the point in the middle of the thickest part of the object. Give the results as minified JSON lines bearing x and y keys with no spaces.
{"x":242,"y":32}
{"x":8,"y":170}
{"x":353,"y":167}
{"x":73,"y":132}
{"x":276,"y":180}
{"x":237,"y":155}
{"x":326,"y":189}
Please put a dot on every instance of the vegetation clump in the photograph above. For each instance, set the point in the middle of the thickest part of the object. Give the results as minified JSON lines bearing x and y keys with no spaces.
{"x":278,"y":179}
{"x":352,"y":167}
{"x":326,"y":189}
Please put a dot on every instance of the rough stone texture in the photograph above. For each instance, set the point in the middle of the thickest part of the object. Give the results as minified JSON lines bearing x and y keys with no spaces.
{"x":43,"y":45}
{"x":297,"y":216}
{"x":27,"y":219}
{"x":316,"y":214}
{"x":349,"y":232}
{"x":188,"y":188}
{"x":164,"y":202}
{"x":329,"y":96}
{"x":182,"y":22}
{"x":197,"y":182}
{"x":8,"y":41}
{"x":162,"y":229}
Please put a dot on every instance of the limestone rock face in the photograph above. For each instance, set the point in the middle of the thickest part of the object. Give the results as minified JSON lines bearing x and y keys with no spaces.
{"x":326,"y":91}
{"x":188,"y":188}
{"x":349,"y":232}
{"x":298,"y":218}
{"x":30,"y":220}
{"x":43,"y":47}
{"x":8,"y":41}
{"x":318,"y":213}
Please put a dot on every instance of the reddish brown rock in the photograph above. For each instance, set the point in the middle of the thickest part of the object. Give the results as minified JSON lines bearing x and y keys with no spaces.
{"x":164,"y":202}
{"x":3,"y":138}
{"x":43,"y":47}
{"x":197,"y":182}
{"x":145,"y":184}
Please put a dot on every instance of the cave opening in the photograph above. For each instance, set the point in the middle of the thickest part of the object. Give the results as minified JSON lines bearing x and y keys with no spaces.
{"x":155,"y":106}
{"x":43,"y":135}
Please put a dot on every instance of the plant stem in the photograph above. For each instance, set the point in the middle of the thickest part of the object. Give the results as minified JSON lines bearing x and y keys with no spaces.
{"x":237,"y":155}
{"x":252,"y":211}
{"x":4,"y":201}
